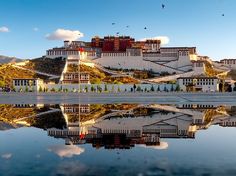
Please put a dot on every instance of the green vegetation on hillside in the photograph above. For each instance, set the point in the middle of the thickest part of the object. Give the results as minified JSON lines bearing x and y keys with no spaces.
{"x":9,"y":113}
{"x":52,"y":120}
{"x":210,"y":71}
{"x":55,"y":67}
{"x":98,"y":76}
{"x":47,"y":65}
{"x":8,"y":72}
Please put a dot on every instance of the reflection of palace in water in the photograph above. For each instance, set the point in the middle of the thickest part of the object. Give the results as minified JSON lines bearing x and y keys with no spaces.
{"x":146,"y":124}
{"x":123,"y":125}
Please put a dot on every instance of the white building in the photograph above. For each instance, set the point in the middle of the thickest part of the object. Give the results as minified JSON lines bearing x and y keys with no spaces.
{"x":171,"y":60}
{"x":205,"y":84}
{"x":27,"y":84}
{"x":231,"y":63}
{"x":198,"y":67}
{"x":140,"y":130}
{"x":73,"y":51}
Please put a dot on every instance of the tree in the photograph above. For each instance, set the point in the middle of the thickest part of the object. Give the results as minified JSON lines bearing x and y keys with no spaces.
{"x":152,"y":88}
{"x":86,"y":88}
{"x":138,"y":88}
{"x":92,"y":88}
{"x":177,"y":87}
{"x":145,"y":89}
{"x":40,"y":89}
{"x":118,"y":89}
{"x":158,"y":88}
{"x":134,"y":87}
{"x":99,"y":88}
{"x":112,"y":88}
{"x":26,"y":89}
{"x":105,"y":88}
{"x":60,"y":89}
{"x":172,"y":88}
{"x":165,"y":89}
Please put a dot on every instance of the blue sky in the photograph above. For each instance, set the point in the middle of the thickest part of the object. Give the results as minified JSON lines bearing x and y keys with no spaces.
{"x":186,"y":22}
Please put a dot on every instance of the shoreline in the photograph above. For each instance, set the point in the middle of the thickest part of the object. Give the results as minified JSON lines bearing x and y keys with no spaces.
{"x":215,"y":98}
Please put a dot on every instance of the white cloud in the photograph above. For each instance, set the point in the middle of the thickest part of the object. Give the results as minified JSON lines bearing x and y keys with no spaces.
{"x":36,"y":29}
{"x":162,"y":146}
{"x":164,"y":39}
{"x":4,"y":29}
{"x":63,"y":34}
{"x":7,"y":155}
{"x":66,"y":151}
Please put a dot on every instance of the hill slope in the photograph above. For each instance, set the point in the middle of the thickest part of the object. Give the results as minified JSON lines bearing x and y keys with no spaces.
{"x":7,"y":59}
{"x":8,"y":72}
{"x":55,"y":67}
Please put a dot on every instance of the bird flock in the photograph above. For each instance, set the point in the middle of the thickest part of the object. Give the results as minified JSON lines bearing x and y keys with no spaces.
{"x":145,"y":28}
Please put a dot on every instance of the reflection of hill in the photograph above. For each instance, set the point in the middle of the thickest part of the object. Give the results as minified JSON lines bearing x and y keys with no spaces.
{"x":98,"y":110}
{"x":52,"y":120}
{"x":8,"y":113}
{"x":231,"y":111}
{"x":8,"y":126}
{"x":210,"y":116}
{"x":13,"y":115}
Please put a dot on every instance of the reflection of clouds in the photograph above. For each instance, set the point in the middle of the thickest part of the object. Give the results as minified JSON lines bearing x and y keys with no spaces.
{"x":162,"y":146}
{"x":38,"y":156}
{"x":70,"y":168}
{"x":7,"y":155}
{"x":66,"y":151}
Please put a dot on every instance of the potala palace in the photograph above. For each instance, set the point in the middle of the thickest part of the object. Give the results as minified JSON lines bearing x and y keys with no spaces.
{"x":122,"y":53}
{"x":126,"y":53}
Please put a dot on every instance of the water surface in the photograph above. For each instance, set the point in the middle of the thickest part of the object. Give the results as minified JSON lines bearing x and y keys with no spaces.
{"x":117,"y":139}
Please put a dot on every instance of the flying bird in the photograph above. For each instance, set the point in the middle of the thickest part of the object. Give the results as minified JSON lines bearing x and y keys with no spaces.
{"x":127,"y":26}
{"x":117,"y":33}
{"x":145,"y":28}
{"x":223,"y":14}
{"x":162,"y":6}
{"x":113,"y":23}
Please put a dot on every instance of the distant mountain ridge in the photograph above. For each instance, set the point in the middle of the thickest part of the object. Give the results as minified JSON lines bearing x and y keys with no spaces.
{"x":7,"y":59}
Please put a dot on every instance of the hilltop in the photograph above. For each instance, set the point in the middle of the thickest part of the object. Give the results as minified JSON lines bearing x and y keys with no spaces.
{"x":7,"y":59}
